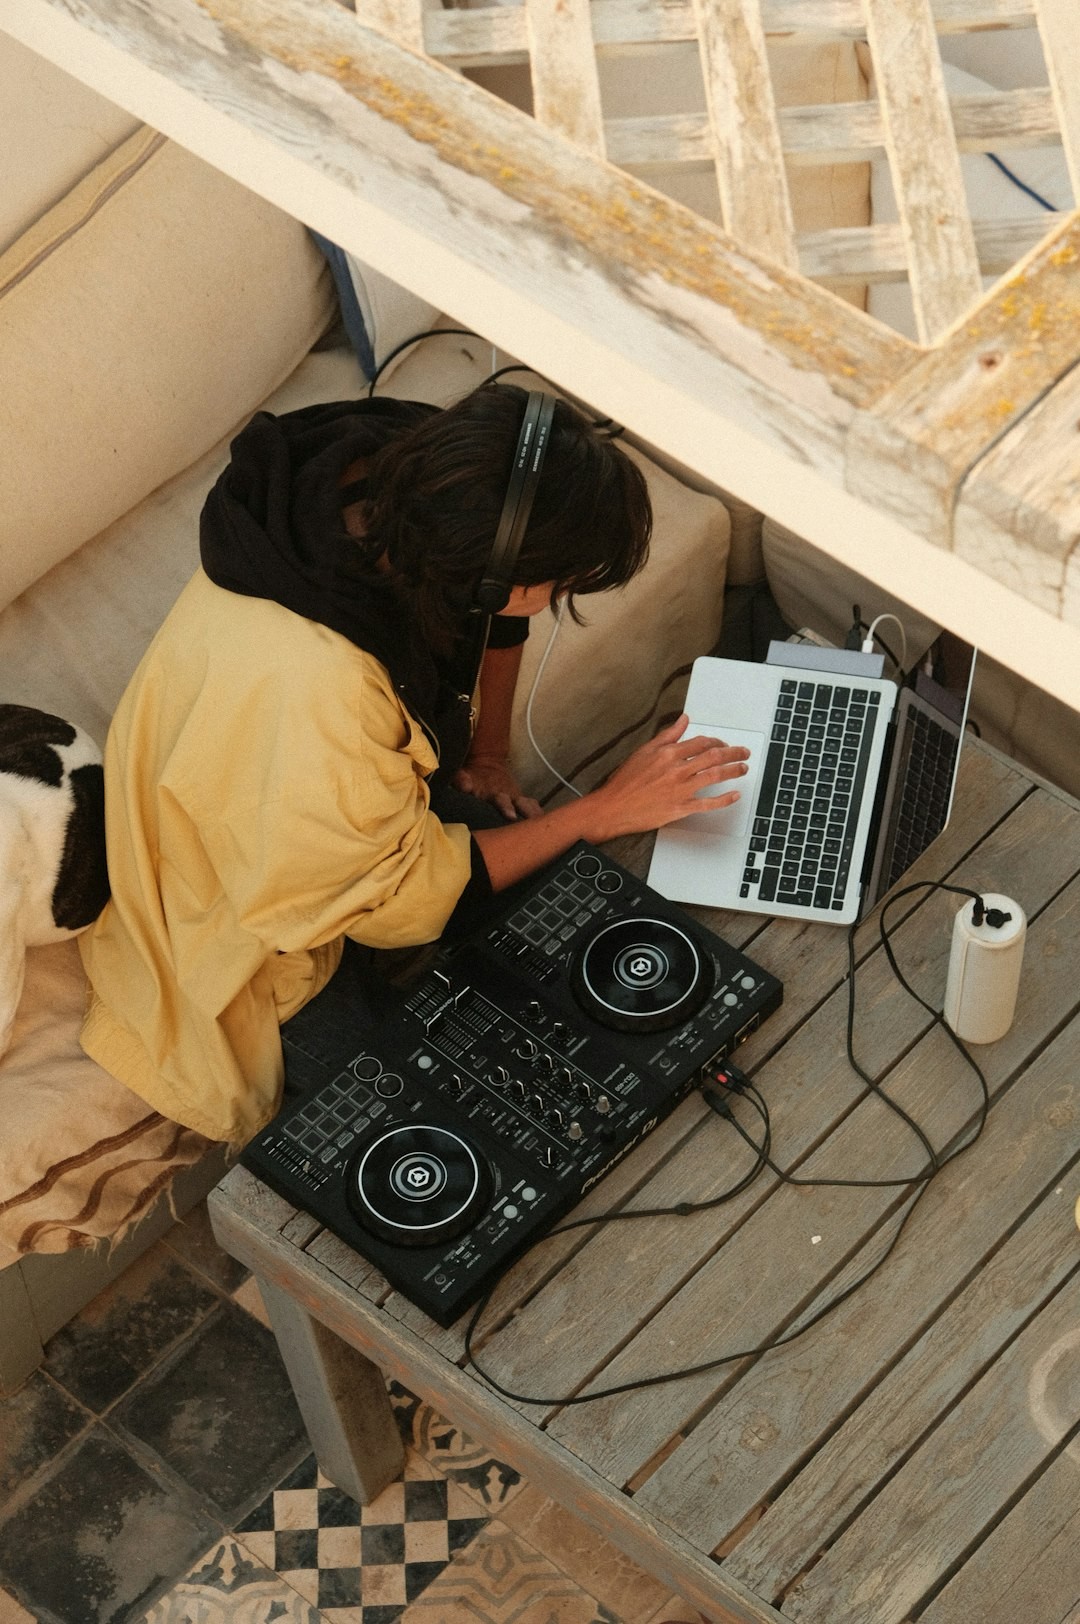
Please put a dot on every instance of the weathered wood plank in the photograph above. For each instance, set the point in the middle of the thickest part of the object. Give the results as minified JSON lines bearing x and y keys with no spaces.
{"x":946,"y":1496}
{"x":425,"y":174}
{"x":1029,"y":1566}
{"x":843,"y":132}
{"x":925,"y":164}
{"x":754,"y":379}
{"x":268,"y":1209}
{"x":497,"y":34}
{"x":811,"y":966}
{"x":715,"y":1301}
{"x":858,"y":254}
{"x":755,"y":205}
{"x":1061,"y":47}
{"x":402,"y":20}
{"x":405,"y":1355}
{"x":785,"y":1408}
{"x":1029,"y":485}
{"x":566,"y":90}
{"x":963,"y":396}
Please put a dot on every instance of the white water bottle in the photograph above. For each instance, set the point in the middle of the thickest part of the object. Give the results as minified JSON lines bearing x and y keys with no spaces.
{"x":984,"y":969}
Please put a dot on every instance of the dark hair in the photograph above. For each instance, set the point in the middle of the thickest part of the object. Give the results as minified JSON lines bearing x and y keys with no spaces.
{"x":434,"y":496}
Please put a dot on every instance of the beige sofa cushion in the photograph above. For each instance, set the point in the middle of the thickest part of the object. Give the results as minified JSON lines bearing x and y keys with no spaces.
{"x":81,"y":1156}
{"x":140,"y":319}
{"x":53,"y":130}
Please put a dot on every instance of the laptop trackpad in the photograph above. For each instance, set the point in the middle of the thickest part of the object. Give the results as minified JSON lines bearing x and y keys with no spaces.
{"x":731,"y":820}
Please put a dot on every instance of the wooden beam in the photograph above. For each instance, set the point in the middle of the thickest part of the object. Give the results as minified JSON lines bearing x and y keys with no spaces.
{"x":858,"y":254}
{"x":1022,"y":500}
{"x":494,"y":34}
{"x":919,"y":444}
{"x":754,"y":202}
{"x":921,"y":144}
{"x":566,"y":90}
{"x":760,"y":382}
{"x":1059,"y":27}
{"x":841,"y":132}
{"x":402,"y":20}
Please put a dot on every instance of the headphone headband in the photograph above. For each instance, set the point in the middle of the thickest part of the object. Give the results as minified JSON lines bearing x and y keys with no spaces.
{"x":494,"y":589}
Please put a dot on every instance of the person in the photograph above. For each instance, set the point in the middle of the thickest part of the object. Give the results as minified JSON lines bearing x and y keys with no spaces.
{"x":295,"y":761}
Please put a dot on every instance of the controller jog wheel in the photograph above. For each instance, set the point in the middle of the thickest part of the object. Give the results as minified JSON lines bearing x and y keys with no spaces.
{"x":641,"y":975}
{"x":417,"y":1185}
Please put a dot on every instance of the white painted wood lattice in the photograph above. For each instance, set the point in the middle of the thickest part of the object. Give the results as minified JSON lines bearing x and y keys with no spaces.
{"x":656,"y":256}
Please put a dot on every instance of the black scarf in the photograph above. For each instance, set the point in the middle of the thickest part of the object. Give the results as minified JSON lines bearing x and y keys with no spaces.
{"x":272,"y":527}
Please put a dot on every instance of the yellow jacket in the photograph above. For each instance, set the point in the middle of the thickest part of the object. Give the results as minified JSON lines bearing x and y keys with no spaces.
{"x":265,"y":797}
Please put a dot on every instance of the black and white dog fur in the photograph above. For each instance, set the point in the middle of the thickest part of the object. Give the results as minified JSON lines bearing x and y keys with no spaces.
{"x":53,"y":879}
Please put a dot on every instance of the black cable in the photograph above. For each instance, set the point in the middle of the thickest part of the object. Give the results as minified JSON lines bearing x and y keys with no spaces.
{"x":741,"y":1084}
{"x":1022,"y":184}
{"x":430,"y":332}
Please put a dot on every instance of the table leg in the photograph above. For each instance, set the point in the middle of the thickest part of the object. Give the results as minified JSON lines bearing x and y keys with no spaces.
{"x":342,"y":1398}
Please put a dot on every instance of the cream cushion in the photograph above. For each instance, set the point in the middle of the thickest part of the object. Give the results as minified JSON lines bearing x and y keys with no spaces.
{"x":140,"y":319}
{"x":82,"y":1157}
{"x":45,"y":157}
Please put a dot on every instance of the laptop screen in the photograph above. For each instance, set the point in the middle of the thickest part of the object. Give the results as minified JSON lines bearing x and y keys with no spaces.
{"x":921,"y":782}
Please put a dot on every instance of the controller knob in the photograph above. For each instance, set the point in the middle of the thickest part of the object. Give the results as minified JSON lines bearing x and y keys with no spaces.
{"x":575,"y":1131}
{"x":603,"y":1105}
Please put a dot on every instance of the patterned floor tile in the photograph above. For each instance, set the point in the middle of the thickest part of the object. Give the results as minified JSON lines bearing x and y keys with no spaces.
{"x":361,"y":1564}
{"x":491,"y":1482}
{"x":595,"y":1564}
{"x":676,"y":1611}
{"x":499,"y":1579}
{"x":220,"y":1413}
{"x":227,"y":1586}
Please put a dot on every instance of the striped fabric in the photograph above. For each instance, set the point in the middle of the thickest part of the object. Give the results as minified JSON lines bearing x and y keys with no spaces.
{"x":81,"y":1156}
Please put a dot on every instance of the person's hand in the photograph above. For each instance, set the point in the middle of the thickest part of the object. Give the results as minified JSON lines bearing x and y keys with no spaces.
{"x":659,"y":783}
{"x":489,"y":778}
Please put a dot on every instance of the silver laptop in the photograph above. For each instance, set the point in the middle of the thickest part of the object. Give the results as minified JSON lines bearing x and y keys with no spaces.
{"x":850,"y":778}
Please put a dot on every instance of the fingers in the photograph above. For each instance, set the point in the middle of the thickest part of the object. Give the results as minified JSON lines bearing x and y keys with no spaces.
{"x":504,"y":803}
{"x":527,"y":807}
{"x":711,"y":761}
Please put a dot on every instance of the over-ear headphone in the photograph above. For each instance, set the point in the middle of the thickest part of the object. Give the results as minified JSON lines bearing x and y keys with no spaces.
{"x":493,"y":592}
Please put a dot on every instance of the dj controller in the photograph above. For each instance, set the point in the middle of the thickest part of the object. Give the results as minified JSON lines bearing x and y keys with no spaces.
{"x":451,"y":1121}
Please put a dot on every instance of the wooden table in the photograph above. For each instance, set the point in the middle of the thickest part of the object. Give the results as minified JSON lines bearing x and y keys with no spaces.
{"x":916,"y":1454}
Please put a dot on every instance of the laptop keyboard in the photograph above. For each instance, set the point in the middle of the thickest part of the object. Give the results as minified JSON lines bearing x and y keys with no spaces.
{"x":927,"y":786}
{"x":803,"y":832}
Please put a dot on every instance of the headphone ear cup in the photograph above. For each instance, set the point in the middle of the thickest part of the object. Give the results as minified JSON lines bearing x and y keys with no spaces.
{"x":492,"y":597}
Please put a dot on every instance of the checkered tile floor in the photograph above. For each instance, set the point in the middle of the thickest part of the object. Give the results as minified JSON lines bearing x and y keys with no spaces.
{"x":361,"y":1564}
{"x":114,"y":1511}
